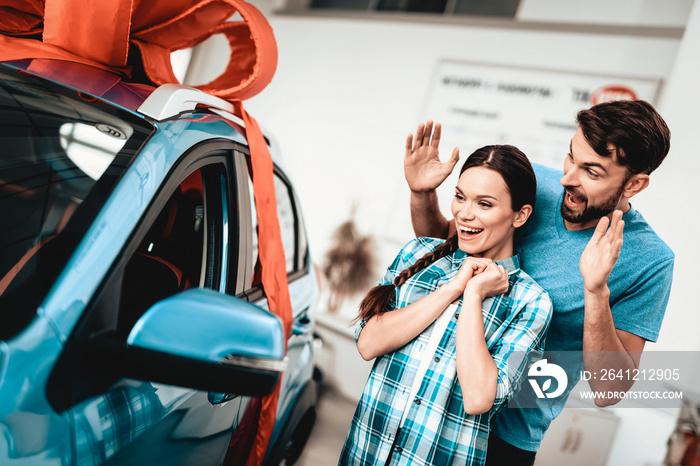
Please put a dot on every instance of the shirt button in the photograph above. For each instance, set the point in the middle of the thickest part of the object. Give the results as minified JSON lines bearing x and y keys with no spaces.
{"x":399,"y":449}
{"x":417,"y":401}
{"x":437,"y":359}
{"x":457,"y":315}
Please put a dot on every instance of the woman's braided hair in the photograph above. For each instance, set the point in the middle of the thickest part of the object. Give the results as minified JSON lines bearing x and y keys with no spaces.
{"x":378,"y":299}
{"x":517,"y":172}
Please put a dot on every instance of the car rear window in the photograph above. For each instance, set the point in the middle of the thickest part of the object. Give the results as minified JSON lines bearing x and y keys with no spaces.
{"x":61,"y":153}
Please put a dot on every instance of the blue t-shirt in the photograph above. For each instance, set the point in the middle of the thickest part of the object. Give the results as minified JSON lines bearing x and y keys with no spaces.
{"x":639,"y":284}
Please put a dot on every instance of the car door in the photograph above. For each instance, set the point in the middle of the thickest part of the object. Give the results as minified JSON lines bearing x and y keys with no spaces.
{"x":187,"y":239}
{"x":297,"y":390}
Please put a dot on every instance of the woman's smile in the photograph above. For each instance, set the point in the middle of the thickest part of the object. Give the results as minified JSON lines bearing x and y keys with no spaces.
{"x":483,"y":213}
{"x":467,"y":233}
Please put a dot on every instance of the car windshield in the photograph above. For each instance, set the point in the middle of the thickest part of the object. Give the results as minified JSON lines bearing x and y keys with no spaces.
{"x":61,"y":153}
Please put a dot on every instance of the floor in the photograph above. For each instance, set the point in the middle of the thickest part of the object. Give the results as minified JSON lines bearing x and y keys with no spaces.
{"x":332,"y":424}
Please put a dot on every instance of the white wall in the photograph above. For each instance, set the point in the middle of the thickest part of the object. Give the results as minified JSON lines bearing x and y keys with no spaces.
{"x":670,"y":205}
{"x":628,"y":12}
{"x":347,"y":92}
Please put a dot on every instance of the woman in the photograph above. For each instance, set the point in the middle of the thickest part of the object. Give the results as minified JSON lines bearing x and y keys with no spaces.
{"x":450,"y":326}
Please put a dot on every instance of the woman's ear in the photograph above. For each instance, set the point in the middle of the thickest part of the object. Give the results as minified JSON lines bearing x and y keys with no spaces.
{"x":522,"y":215}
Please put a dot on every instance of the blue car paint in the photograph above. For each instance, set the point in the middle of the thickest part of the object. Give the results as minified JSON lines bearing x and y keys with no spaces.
{"x":27,"y":422}
{"x":229,"y":326}
{"x":36,"y":350}
{"x":74,"y":288}
{"x":299,"y":348}
{"x":32,"y":431}
{"x":4,"y":358}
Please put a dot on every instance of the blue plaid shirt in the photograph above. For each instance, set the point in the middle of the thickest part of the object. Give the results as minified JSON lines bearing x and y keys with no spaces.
{"x":437,"y":430}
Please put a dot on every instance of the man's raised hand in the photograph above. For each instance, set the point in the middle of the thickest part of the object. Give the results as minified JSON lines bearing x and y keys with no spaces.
{"x":422,"y":166}
{"x":601,"y":253}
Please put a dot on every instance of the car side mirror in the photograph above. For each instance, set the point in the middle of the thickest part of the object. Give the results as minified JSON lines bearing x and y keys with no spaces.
{"x":210,"y":341}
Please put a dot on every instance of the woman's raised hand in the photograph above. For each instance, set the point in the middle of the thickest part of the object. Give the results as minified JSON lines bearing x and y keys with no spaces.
{"x":422,"y":166}
{"x":491,"y":281}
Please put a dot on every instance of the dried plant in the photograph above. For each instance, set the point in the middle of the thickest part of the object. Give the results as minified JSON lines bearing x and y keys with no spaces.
{"x":349,"y":264}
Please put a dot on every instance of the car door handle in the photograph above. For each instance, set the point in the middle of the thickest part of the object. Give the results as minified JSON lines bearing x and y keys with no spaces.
{"x":220,"y":398}
{"x":302,"y":324}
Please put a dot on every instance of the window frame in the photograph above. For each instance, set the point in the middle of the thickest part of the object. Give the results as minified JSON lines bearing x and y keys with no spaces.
{"x":501,"y":10}
{"x":252,"y":292}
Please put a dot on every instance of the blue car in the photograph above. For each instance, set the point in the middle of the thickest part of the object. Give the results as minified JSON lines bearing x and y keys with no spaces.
{"x":133,"y":324}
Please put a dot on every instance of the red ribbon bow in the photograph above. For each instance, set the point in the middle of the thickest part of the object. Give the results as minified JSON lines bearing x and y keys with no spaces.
{"x":105,"y":34}
{"x":101,"y":33}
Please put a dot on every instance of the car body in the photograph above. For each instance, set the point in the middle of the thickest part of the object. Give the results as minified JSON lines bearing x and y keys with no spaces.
{"x":133,"y":325}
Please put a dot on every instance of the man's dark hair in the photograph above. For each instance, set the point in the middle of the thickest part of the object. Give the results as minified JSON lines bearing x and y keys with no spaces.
{"x":639,"y":135}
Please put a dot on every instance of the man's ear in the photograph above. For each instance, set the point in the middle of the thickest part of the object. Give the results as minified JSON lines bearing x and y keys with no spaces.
{"x":636,"y":184}
{"x":522,"y":215}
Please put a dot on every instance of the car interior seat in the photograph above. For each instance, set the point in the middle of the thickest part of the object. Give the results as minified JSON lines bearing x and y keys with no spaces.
{"x":151,"y":275}
{"x":169,"y":258}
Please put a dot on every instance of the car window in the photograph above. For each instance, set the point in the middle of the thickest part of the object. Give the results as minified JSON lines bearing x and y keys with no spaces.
{"x":60,"y":156}
{"x":302,"y":242}
{"x":183,"y":247}
{"x":290,"y":228}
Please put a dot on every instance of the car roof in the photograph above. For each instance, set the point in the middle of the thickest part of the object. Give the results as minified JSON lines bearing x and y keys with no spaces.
{"x":143,"y":100}
{"x":86,"y":79}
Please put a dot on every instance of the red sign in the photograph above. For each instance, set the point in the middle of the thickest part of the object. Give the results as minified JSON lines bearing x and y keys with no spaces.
{"x":612,"y":92}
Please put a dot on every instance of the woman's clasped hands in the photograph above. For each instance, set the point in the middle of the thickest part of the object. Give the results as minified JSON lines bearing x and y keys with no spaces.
{"x":479,"y":278}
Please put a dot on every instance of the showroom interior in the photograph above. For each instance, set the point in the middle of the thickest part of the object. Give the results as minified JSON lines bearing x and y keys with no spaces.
{"x":354,"y":78}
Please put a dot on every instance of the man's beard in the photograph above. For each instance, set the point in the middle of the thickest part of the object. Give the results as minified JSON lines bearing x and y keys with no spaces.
{"x":591,"y":212}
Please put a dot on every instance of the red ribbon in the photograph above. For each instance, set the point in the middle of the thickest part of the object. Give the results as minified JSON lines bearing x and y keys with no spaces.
{"x":107,"y":34}
{"x":101,"y":34}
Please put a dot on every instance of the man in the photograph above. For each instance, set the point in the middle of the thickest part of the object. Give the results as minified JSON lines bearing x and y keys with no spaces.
{"x":609,"y":299}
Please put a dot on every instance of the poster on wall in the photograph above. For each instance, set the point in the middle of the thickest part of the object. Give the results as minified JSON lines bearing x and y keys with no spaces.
{"x":532,"y":109}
